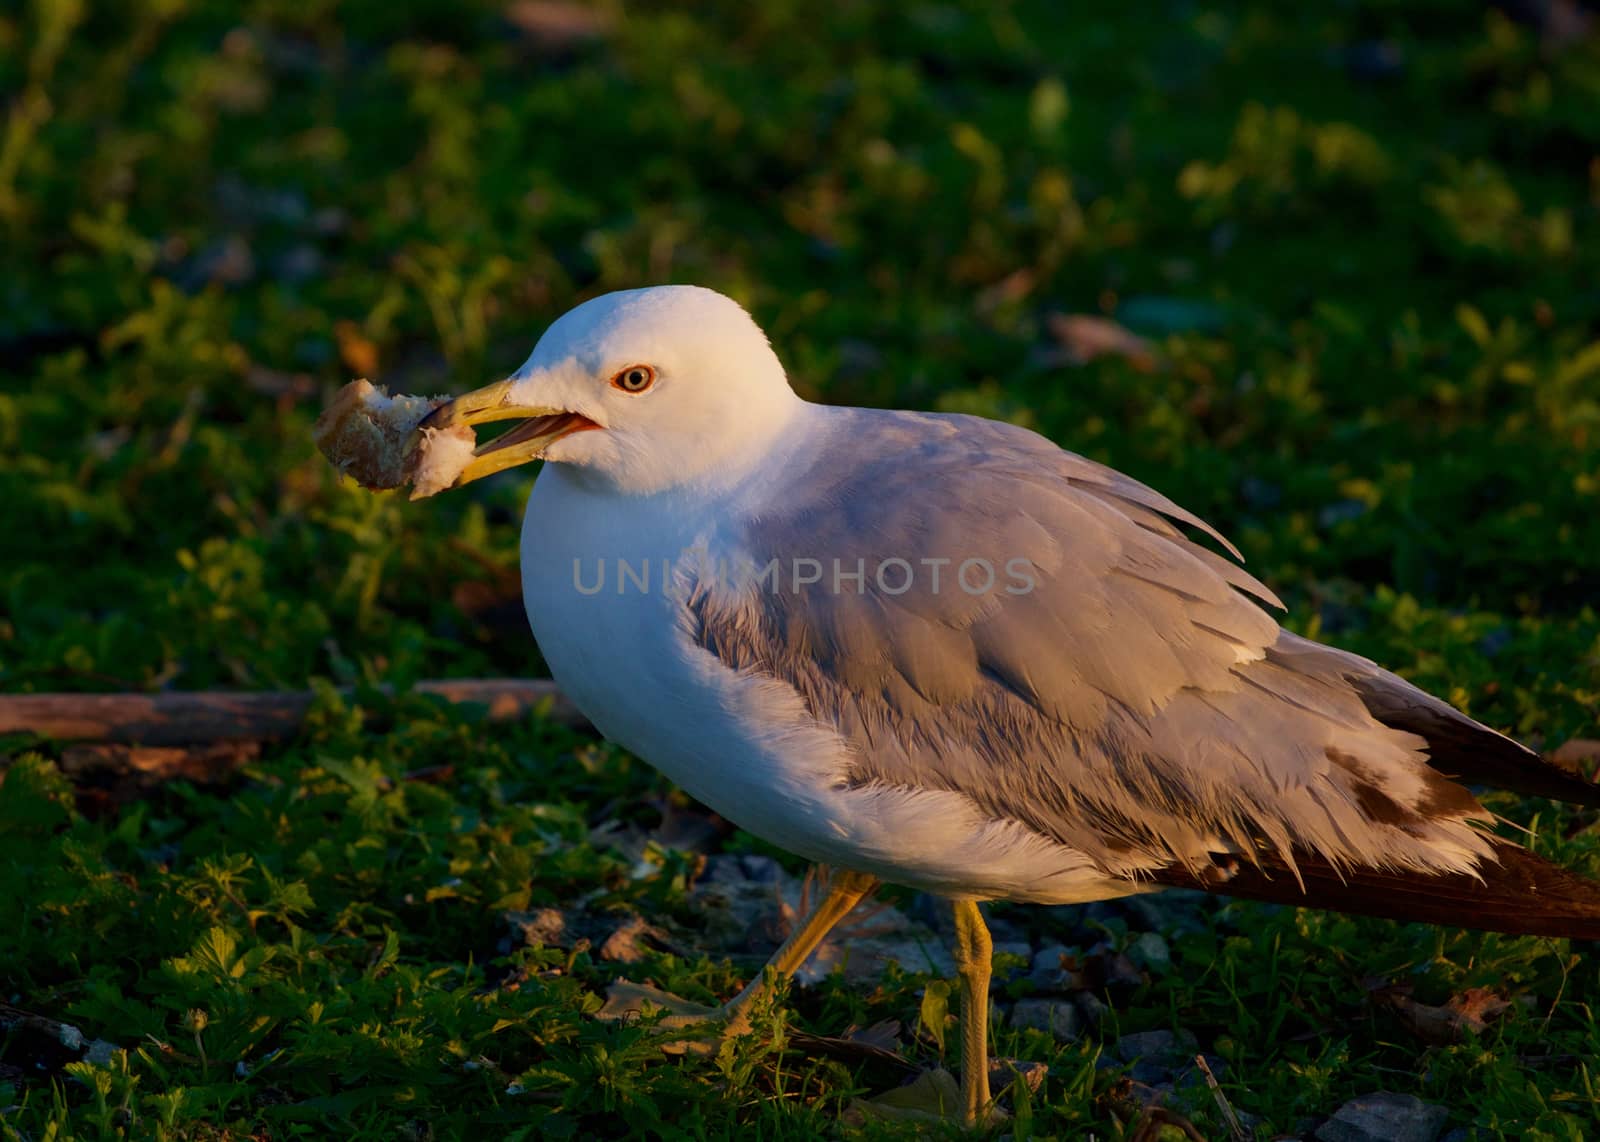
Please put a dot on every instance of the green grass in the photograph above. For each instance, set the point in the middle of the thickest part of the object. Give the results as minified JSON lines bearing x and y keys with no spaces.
{"x":1375,"y":301}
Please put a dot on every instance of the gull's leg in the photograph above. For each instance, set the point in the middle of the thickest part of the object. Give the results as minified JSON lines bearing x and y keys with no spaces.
{"x":626,"y":1000}
{"x":845,"y":890}
{"x":974,"y":962}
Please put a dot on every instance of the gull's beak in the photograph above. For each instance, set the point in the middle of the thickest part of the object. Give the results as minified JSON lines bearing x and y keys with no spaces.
{"x":540,"y":428}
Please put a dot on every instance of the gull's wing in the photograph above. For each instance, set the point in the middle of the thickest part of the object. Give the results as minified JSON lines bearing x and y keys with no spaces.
{"x":1117,"y":688}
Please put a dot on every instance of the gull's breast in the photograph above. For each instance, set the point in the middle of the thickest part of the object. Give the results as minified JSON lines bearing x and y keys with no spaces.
{"x":603,"y":589}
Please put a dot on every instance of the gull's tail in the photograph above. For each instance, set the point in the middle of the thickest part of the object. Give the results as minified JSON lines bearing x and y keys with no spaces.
{"x":1517,"y":892}
{"x":1512,"y":891}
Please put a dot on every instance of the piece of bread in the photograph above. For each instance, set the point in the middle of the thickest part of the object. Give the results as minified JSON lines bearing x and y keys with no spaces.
{"x":373,"y":438}
{"x":440,"y":457}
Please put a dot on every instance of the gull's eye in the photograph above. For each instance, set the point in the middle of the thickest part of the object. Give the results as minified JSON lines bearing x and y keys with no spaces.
{"x":634,"y":379}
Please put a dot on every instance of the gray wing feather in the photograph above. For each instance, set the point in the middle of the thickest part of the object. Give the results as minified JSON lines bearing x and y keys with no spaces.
{"x":1131,"y":705}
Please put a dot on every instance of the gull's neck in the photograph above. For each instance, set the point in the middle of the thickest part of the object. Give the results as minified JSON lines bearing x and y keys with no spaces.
{"x":764,"y":446}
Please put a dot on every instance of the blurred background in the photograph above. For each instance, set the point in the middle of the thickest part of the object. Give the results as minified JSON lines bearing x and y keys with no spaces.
{"x":1328,"y":274}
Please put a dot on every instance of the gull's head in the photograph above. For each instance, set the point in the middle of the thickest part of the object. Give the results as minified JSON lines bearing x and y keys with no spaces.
{"x":641,"y":390}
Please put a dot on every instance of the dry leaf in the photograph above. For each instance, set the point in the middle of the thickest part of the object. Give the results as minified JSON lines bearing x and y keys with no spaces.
{"x":542,"y":926}
{"x":931,"y":1097}
{"x":1470,"y":1012}
{"x":555,"y":25}
{"x":1576,"y":753}
{"x":359,"y":354}
{"x":878,"y":1044}
{"x":628,"y":1000}
{"x":1086,"y":337}
{"x":631,"y":943}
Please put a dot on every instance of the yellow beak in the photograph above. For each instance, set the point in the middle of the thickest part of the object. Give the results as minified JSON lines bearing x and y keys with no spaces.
{"x":540,"y":428}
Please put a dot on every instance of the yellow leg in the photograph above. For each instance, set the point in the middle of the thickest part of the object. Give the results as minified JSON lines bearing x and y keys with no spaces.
{"x":974,"y":962}
{"x":845,"y":891}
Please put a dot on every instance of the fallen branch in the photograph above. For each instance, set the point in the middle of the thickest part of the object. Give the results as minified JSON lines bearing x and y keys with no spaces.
{"x":37,"y":1046}
{"x":139,"y":765}
{"x":189,"y":718}
{"x":116,"y":747}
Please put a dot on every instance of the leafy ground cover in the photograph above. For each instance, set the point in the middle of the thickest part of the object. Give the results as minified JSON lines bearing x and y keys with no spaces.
{"x":1357,"y":245}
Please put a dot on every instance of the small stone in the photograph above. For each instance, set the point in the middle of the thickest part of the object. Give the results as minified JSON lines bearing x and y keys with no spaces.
{"x":1152,"y":1058}
{"x":1090,"y":1006}
{"x":761,"y":869}
{"x":720,"y":868}
{"x":1060,"y":970}
{"x":737,"y":869}
{"x":864,"y":957}
{"x":1384,"y":1116}
{"x":1120,"y":970}
{"x":1147,"y":913}
{"x":1155,"y":1055}
{"x":1019,"y":948}
{"x":1143,"y":1044}
{"x":1106,"y":916}
{"x":1149,"y":1072}
{"x":1175,"y":910}
{"x":1003,"y":930}
{"x":1151,"y":953}
{"x":1049,"y":972}
{"x":1050,"y":959}
{"x":1056,"y":1016}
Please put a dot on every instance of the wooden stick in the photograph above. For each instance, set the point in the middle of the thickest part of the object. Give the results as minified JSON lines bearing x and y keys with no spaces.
{"x":187,"y":718}
{"x":1236,"y":1129}
{"x":39,"y":1046}
{"x":145,"y":765}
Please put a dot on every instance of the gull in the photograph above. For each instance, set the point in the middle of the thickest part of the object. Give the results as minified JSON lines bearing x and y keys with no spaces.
{"x":939,"y":651}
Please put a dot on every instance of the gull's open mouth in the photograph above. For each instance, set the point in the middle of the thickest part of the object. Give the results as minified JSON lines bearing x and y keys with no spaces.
{"x":547,"y":429}
{"x":540,"y":428}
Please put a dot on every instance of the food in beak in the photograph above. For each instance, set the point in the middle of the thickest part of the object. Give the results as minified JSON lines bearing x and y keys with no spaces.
{"x":373,"y":438}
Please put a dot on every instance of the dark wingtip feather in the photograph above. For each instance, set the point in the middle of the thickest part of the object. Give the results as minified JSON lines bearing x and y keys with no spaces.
{"x":1458,"y":747}
{"x":1476,"y":755}
{"x":1521,"y":893}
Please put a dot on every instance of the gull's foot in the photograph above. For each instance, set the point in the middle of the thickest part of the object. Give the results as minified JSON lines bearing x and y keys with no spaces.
{"x":689,"y":1028}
